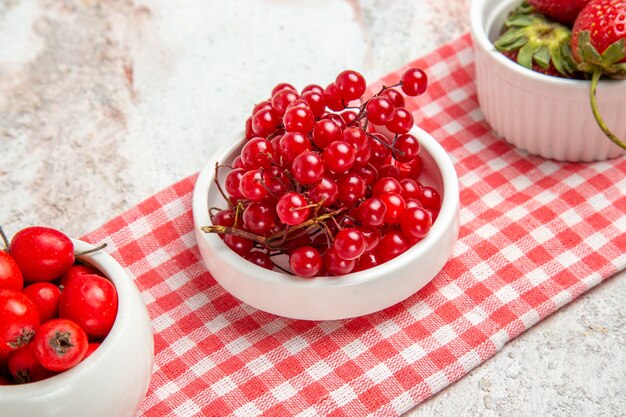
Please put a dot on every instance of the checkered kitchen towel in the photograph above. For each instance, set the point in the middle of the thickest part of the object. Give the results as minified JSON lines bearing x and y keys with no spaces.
{"x":535,"y":234}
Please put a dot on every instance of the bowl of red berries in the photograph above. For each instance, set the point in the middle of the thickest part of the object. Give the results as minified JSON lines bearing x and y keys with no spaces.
{"x":331,"y":204}
{"x":75,"y":336}
{"x":550,"y":75}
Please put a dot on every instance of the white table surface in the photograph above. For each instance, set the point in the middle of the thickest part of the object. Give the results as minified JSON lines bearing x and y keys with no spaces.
{"x":105,"y":102}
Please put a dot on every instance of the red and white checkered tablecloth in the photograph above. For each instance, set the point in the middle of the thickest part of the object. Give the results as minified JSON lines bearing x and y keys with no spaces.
{"x":535,"y":234}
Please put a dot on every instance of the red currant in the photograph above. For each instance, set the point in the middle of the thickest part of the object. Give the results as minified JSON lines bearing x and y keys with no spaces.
{"x":380,"y":110}
{"x":414,"y":82}
{"x":308,"y":168}
{"x":292,"y":209}
{"x":351,"y":85}
{"x":305,"y":261}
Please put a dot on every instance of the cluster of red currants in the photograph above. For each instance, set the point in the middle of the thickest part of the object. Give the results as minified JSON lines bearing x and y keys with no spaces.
{"x":318,"y":182}
{"x":62,"y":314}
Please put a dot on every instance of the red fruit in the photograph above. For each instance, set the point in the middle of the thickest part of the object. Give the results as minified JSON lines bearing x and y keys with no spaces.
{"x":261,"y":259}
{"x":351,"y":85}
{"x":604,"y":22}
{"x":10,"y":274}
{"x":336,"y":265}
{"x":349,"y":243}
{"x":391,"y":245}
{"x":292,"y":209}
{"x":563,"y":11}
{"x":415,"y":222}
{"x":45,"y":296}
{"x":414,"y":82}
{"x":305,"y":261}
{"x":60,"y":344}
{"x":257,"y":153}
{"x":598,"y":46}
{"x":79,"y":270}
{"x":19,"y":319}
{"x":24,"y":366}
{"x":91,"y":302}
{"x":42,"y":253}
{"x":91,"y":348}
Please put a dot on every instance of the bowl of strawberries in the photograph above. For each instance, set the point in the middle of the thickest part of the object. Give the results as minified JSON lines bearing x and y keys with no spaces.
{"x":550,"y":75}
{"x":332,"y":204}
{"x":75,"y":336}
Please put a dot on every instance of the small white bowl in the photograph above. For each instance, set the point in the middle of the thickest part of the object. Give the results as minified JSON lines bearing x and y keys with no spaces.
{"x":330,"y":298}
{"x":113,"y":380}
{"x":544,"y":115}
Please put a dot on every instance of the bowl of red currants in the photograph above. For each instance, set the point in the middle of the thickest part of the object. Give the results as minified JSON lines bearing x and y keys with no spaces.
{"x":75,"y":335}
{"x":331,"y":204}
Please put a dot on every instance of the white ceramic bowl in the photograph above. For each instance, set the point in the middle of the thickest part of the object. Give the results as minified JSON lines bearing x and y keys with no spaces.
{"x":329,"y":298}
{"x":113,"y":380}
{"x":544,"y":115}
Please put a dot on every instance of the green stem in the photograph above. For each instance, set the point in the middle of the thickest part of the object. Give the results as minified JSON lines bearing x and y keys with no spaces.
{"x":597,"y":73}
{"x":5,"y":239}
{"x":92,"y":250}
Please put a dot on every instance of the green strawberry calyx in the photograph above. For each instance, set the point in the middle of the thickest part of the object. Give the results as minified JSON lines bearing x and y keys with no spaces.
{"x":537,"y":40}
{"x":608,"y":63}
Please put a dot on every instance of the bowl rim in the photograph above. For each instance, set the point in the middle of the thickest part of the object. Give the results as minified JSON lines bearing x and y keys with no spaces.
{"x":104,"y":262}
{"x":446,"y":218}
{"x":478,"y":31}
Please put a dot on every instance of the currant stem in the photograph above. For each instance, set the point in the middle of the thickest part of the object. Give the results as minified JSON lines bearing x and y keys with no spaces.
{"x":92,"y":250}
{"x":597,"y":73}
{"x":217,"y":183}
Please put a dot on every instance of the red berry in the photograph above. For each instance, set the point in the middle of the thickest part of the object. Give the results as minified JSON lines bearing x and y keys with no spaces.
{"x":336,"y":265}
{"x":406,"y":148}
{"x":24,"y":366}
{"x":305,"y":261}
{"x":401,"y":122}
{"x":282,"y":98}
{"x":315,"y":100}
{"x":414,"y":82}
{"x":324,"y":192}
{"x":251,"y":186}
{"x":42,"y":253}
{"x":282,"y":86}
{"x":351,"y":85}
{"x":45,"y":296}
{"x":351,"y":188}
{"x":391,"y":245}
{"x":325,"y":132}
{"x":257,"y":153}
{"x":258,"y":217}
{"x":394,"y":95}
{"x":386,"y":185}
{"x":265,"y":122}
{"x":349,"y":243}
{"x":60,"y":344}
{"x":239,"y":245}
{"x":10,"y":274}
{"x":415,"y":222}
{"x":90,"y":302}
{"x":292,"y":209}
{"x":232,"y":183}
{"x":339,"y":156}
{"x":395,"y":207}
{"x":299,"y":119}
{"x":332,"y":98}
{"x":19,"y":319}
{"x":430,"y":198}
{"x":355,"y":136}
{"x":293,"y":144}
{"x":261,"y":259}
{"x":379,"y":110}
{"x":307,"y":168}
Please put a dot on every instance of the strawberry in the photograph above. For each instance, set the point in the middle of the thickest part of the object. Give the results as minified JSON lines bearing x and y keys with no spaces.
{"x":563,"y":11}
{"x":537,"y":43}
{"x":599,"y":47}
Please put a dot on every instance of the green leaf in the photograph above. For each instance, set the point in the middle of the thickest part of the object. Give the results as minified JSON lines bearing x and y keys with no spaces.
{"x":542,"y":56}
{"x":511,"y":40}
{"x":525,"y":55}
{"x":614,"y":53}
